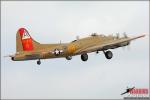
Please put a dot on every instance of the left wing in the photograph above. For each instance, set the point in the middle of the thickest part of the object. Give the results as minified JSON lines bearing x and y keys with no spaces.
{"x":108,"y":45}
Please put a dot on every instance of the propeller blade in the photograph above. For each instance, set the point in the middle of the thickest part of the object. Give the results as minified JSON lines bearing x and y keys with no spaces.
{"x":125,"y":35}
{"x":117,"y":35}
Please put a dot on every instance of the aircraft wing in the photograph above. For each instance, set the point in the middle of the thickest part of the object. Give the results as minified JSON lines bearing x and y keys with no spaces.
{"x":106,"y":46}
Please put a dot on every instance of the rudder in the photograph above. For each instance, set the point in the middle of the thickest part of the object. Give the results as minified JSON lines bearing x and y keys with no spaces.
{"x":24,"y":41}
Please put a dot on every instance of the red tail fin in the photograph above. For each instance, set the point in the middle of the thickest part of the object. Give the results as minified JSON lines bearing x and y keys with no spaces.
{"x":24,"y":42}
{"x":26,"y":39}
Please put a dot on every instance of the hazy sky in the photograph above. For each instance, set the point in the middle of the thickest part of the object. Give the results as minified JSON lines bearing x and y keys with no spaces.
{"x":52,"y":21}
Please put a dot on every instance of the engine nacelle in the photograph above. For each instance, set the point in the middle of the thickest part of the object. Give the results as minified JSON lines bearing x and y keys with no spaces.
{"x":124,"y":44}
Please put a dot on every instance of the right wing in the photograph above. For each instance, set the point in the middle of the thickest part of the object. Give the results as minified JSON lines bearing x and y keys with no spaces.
{"x":106,"y":46}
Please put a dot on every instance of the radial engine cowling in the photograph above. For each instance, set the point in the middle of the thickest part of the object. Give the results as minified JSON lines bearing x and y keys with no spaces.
{"x":124,"y":44}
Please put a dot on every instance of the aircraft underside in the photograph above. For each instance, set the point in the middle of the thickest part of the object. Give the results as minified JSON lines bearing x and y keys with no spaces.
{"x":84,"y":57}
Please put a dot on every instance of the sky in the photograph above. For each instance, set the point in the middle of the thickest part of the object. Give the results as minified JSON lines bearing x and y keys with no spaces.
{"x":52,"y":21}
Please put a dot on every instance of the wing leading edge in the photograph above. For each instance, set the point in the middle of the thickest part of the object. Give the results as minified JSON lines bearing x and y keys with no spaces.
{"x":109,"y":45}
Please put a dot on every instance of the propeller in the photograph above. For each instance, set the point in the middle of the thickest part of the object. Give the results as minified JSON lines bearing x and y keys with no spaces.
{"x":117,"y":35}
{"x":125,"y":35}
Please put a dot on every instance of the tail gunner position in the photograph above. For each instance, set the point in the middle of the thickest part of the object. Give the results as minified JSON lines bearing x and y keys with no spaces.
{"x":28,"y":49}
